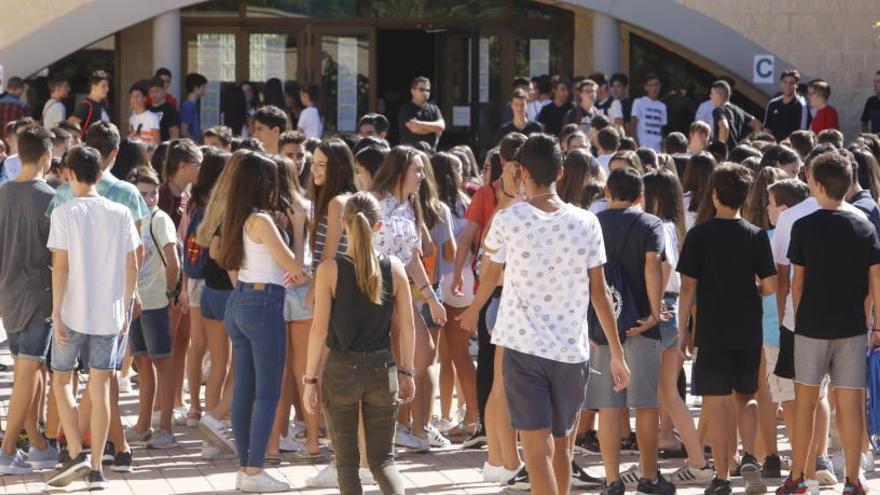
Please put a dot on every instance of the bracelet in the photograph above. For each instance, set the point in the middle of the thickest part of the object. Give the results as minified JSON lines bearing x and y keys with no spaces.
{"x":406,"y":372}
{"x":875,"y":329}
{"x":310,"y":380}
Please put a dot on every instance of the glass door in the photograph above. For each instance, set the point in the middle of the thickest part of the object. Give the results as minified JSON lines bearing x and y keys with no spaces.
{"x":213,"y":54}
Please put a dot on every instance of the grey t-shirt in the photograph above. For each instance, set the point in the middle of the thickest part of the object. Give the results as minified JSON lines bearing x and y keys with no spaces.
{"x":25,"y":274}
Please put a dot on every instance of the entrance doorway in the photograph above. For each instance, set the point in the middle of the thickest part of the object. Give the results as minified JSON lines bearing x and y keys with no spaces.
{"x":402,"y":55}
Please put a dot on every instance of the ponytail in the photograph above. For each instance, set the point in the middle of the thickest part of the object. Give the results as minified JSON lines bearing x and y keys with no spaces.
{"x":361,"y":214}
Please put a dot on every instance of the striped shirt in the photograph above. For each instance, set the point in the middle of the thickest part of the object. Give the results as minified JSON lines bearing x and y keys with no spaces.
{"x":321,"y":239}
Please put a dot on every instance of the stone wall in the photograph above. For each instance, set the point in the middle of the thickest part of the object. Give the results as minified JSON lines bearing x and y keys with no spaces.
{"x":835,"y":40}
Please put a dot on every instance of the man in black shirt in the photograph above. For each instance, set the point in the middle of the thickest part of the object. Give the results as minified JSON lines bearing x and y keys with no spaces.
{"x":871,"y":113}
{"x":520,"y":122}
{"x":789,"y":111}
{"x":551,"y":116}
{"x":732,"y":123}
{"x":719,"y":262}
{"x":836,"y":258}
{"x":169,"y":117}
{"x":418,"y":119}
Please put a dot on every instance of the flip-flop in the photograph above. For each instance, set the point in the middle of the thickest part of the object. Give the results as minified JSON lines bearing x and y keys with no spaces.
{"x":304,"y":457}
{"x":272,"y":460}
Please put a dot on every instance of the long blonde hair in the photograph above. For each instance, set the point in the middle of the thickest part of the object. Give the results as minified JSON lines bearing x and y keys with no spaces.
{"x":362,"y":212}
{"x":216,"y":207}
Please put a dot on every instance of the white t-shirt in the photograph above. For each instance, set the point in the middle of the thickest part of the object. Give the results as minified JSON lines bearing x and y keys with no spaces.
{"x":604,"y":160}
{"x":53,"y":113}
{"x":546,"y":283}
{"x":782,"y":238}
{"x":652,"y":118}
{"x":97,"y":234}
{"x":310,"y":122}
{"x":704,"y":114}
{"x":670,"y":241}
{"x":152,"y":281}
{"x":149,"y":126}
{"x":533,"y":108}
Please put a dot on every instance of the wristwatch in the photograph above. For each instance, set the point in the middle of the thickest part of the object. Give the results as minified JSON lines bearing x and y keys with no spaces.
{"x":310,"y":380}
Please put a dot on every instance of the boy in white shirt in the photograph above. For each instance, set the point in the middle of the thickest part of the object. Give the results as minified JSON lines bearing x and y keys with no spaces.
{"x":93,"y":243}
{"x":649,"y":115}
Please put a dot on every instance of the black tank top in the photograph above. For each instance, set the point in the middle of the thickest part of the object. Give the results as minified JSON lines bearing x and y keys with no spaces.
{"x":356,"y":323}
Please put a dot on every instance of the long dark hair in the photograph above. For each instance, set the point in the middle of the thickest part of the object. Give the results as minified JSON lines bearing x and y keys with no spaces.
{"x":132,"y":156}
{"x":579,"y":166}
{"x":256,"y":184}
{"x":663,"y":198}
{"x":338,"y":179}
{"x":289,"y":191}
{"x":869,"y":170}
{"x":429,"y":203}
{"x":755,"y":209}
{"x":696,"y":178}
{"x":273,"y":93}
{"x":210,"y":170}
{"x":448,"y":179}
{"x":392,"y":173}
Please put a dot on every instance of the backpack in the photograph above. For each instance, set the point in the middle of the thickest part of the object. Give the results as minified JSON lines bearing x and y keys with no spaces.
{"x":196,"y":256}
{"x":622,"y":299}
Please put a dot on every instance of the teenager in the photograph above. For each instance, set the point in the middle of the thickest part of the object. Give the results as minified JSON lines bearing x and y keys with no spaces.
{"x":169,"y":117}
{"x":537,"y":376}
{"x":165,"y":76}
{"x":729,"y":336}
{"x":54,"y":111}
{"x":310,"y":122}
{"x":93,"y":107}
{"x":190,"y":109}
{"x":218,"y":137}
{"x":150,"y":339}
{"x":635,"y":240}
{"x":698,"y":137}
{"x":582,"y":114}
{"x":826,"y":247}
{"x":608,"y":141}
{"x":292,"y":145}
{"x":26,"y":299}
{"x":819,"y":92}
{"x":731,"y":123}
{"x":519,"y":121}
{"x":359,"y":379}
{"x":253,"y":245}
{"x":789,"y":111}
{"x":606,"y":103}
{"x":81,"y":227}
{"x":695,"y":183}
{"x":269,"y":122}
{"x":648,"y":115}
{"x":552,"y":116}
{"x":142,"y":124}
{"x":663,"y":195}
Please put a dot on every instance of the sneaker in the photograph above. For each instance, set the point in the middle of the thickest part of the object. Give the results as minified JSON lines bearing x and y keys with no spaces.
{"x":139,"y":438}
{"x":124,"y":384}
{"x":366,"y":476}
{"x":477,"y":440}
{"x":655,"y":487}
{"x":629,"y":445}
{"x":436,"y":439}
{"x":162,"y":439}
{"x":719,"y":487}
{"x":825,"y":472}
{"x":192,"y":418}
{"x":687,"y":475}
{"x":97,"y":481}
{"x":442,"y":425}
{"x":43,"y":459}
{"x":15,"y":463}
{"x":491,"y":474}
{"x":772,"y":467}
{"x":262,"y":482}
{"x":216,"y":432}
{"x":403,"y":438}
{"x":850,"y":488}
{"x":63,"y":458}
{"x":519,"y":482}
{"x":122,"y":462}
{"x":751,"y":473}
{"x":867,"y":462}
{"x":109,"y":453}
{"x":288,"y":444}
{"x":210,"y":451}
{"x":588,"y":443}
{"x":326,"y":478}
{"x":178,"y":416}
{"x":71,"y":470}
{"x":581,"y":479}
{"x":631,"y":476}
{"x":505,"y":475}
{"x":615,"y":488}
{"x":793,"y":487}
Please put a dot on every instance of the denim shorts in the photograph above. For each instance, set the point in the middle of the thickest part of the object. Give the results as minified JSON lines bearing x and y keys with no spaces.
{"x":194,"y":289}
{"x":669,"y":329}
{"x":33,"y":341}
{"x":295,"y":306}
{"x":99,"y":352}
{"x":214,"y":303}
{"x":151,"y":334}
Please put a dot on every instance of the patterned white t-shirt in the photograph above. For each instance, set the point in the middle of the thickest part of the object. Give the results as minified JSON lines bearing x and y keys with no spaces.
{"x":546,"y":284}
{"x":398,"y":235}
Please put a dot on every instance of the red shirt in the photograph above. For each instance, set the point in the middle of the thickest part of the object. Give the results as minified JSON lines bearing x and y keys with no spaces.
{"x":482,"y":207}
{"x":826,"y":118}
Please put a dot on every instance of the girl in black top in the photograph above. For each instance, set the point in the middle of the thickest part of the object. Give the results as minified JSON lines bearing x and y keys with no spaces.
{"x":356,"y":296}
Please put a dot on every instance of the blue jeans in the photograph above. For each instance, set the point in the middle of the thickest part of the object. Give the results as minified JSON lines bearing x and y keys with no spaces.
{"x":255,"y":322}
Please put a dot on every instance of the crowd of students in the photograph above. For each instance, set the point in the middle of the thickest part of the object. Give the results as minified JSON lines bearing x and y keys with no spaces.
{"x":345,"y":280}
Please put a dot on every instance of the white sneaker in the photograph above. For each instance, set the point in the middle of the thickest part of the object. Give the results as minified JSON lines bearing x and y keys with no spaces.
{"x":443,"y":425}
{"x":162,"y":439}
{"x":687,"y":475}
{"x":262,"y":482}
{"x":403,"y":438}
{"x":867,"y":462}
{"x":124,"y":384}
{"x":211,"y":451}
{"x":366,"y":476}
{"x":326,"y":478}
{"x":216,"y":432}
{"x":179,"y":416}
{"x":288,"y":444}
{"x":505,"y":475}
{"x":139,"y":438}
{"x":436,"y":439}
{"x":813,"y":486}
{"x":491,"y":474}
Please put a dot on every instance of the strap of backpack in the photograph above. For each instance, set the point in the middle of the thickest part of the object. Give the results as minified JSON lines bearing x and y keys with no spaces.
{"x":155,"y":243}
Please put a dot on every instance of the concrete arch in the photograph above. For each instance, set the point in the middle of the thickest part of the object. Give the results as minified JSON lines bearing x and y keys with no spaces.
{"x":60,"y":36}
{"x":689,"y":28}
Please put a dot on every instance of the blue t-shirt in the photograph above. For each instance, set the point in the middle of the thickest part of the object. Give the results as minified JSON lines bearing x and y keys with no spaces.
{"x":189,"y":115}
{"x":863,"y":201}
{"x":770,"y":322}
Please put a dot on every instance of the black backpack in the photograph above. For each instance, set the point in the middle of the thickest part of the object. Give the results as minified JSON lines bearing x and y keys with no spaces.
{"x":622,"y":299}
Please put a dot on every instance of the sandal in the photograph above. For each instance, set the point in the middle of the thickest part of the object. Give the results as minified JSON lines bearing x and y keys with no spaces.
{"x":272,"y":460}
{"x":305,"y":457}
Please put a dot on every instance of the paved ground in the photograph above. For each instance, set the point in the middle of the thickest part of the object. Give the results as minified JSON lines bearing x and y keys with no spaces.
{"x":183,"y":471}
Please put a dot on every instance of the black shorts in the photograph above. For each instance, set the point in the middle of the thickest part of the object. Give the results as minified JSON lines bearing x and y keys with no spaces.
{"x":785,"y":361}
{"x":721,"y":372}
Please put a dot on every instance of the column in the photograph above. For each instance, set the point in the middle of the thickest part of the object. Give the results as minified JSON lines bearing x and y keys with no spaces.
{"x":606,"y":43}
{"x":166,"y":48}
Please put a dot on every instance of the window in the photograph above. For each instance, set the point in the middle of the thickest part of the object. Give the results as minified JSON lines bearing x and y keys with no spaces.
{"x":272,"y":55}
